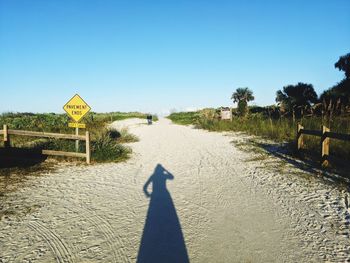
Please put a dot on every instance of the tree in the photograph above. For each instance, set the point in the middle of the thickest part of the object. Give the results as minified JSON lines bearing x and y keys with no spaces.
{"x":296,"y":98}
{"x":343,"y":64}
{"x":337,"y":97}
{"x":242,"y":96}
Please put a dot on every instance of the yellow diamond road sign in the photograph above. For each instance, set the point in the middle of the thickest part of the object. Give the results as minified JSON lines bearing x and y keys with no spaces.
{"x":76,"y":108}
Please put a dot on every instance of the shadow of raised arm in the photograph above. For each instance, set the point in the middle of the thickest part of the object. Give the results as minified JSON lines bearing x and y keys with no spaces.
{"x":145,"y":187}
{"x":168,"y":175}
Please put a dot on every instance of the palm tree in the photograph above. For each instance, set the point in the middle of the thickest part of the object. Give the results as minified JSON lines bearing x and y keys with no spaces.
{"x":242,"y":96}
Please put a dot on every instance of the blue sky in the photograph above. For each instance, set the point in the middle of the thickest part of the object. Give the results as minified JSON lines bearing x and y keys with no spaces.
{"x":159,"y":55}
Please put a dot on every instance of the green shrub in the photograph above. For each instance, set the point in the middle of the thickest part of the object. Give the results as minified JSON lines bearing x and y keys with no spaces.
{"x":122,"y":136}
{"x":105,"y":149}
{"x":126,"y":137}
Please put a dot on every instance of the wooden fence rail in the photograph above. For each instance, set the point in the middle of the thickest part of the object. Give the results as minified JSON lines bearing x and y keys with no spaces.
{"x":325,"y":135}
{"x":7,"y":132}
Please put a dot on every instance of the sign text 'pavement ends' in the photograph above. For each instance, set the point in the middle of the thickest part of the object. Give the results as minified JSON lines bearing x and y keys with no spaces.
{"x":76,"y":108}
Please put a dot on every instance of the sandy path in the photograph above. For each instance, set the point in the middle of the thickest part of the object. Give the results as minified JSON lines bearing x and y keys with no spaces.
{"x":211,"y":202}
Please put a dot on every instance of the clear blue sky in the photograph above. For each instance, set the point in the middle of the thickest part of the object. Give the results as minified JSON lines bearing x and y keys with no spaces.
{"x":159,"y":55}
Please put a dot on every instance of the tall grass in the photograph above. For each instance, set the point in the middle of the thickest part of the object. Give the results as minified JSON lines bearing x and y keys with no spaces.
{"x":185,"y":118}
{"x":279,"y":130}
{"x":105,"y":146}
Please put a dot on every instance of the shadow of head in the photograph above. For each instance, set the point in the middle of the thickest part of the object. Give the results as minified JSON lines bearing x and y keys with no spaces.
{"x":162,"y":173}
{"x":158,"y":180}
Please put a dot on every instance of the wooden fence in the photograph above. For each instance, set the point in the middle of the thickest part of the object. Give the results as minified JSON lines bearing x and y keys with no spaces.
{"x":325,"y":135}
{"x":7,"y":132}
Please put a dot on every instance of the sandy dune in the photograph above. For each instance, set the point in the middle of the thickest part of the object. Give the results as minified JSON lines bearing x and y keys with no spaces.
{"x":186,"y":195}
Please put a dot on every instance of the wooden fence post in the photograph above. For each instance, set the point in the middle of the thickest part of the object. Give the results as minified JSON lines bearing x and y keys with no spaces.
{"x":300,"y":139}
{"x":324,"y":146}
{"x":6,"y":137}
{"x":88,"y":151}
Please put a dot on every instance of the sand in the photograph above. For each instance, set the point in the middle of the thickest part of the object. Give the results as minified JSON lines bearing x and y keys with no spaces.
{"x":186,"y":195}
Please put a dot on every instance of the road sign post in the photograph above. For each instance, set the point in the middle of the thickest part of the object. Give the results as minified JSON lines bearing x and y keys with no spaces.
{"x":77,"y":141}
{"x":76,"y":108}
{"x":77,"y":125}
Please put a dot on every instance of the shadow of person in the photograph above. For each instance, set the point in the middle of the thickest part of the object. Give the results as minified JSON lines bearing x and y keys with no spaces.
{"x":162,"y":239}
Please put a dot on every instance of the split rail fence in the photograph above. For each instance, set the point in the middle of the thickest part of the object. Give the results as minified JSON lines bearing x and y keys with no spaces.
{"x":325,"y":135}
{"x":6,"y":132}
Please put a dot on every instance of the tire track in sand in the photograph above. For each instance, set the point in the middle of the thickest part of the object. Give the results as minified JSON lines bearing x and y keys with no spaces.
{"x":59,"y":248}
{"x":106,"y":229}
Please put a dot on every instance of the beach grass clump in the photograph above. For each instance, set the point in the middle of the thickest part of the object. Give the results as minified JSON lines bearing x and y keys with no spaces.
{"x":126,"y":137}
{"x":105,"y":148}
{"x":122,"y":136}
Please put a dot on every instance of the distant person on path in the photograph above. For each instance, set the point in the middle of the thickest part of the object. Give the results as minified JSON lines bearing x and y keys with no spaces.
{"x":149,"y":119}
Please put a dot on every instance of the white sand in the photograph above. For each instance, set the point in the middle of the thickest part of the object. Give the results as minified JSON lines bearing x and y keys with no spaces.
{"x":222,"y":205}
